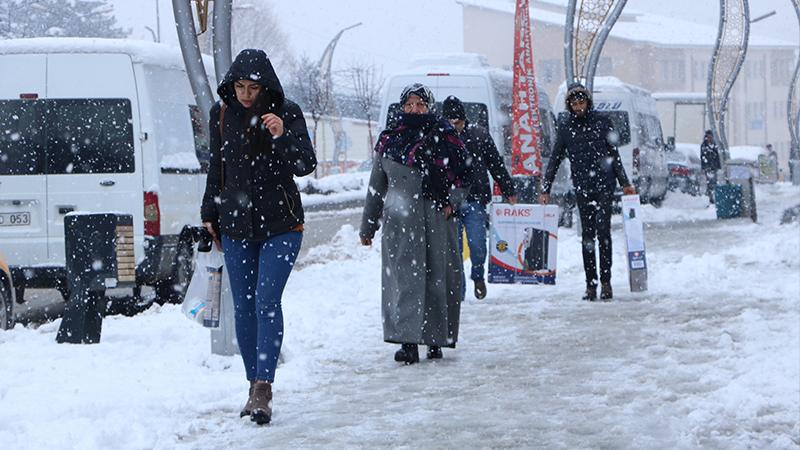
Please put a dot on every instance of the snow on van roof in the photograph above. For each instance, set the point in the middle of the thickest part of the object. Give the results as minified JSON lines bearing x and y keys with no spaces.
{"x":688,"y":148}
{"x":689,"y":97}
{"x":633,"y":25}
{"x":737,"y":152}
{"x":181,"y":161}
{"x":608,"y":83}
{"x":745,"y":152}
{"x":458,"y":64}
{"x":472,"y":60}
{"x":447,"y":63}
{"x":139,"y":51}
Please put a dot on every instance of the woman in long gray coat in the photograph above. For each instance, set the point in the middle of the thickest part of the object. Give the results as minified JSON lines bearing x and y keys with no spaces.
{"x":415,"y":166}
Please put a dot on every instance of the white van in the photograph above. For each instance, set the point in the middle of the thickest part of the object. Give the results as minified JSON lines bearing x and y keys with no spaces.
{"x":634,"y":115}
{"x":98,"y":125}
{"x":486,"y":94}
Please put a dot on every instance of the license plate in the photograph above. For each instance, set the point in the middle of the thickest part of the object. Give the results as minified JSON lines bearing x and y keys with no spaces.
{"x":15,"y":219}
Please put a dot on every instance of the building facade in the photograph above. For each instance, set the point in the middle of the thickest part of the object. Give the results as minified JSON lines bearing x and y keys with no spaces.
{"x":666,"y":56}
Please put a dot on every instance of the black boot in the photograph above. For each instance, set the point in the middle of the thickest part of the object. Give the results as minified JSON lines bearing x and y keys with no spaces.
{"x":591,"y":292}
{"x":480,"y":289}
{"x":408,"y":353}
{"x":605,"y":291}
{"x":435,"y":352}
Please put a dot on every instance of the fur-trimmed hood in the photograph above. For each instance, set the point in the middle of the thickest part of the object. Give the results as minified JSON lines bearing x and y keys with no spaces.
{"x":575,"y":89}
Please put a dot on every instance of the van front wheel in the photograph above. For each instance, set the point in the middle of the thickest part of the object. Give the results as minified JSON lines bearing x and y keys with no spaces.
{"x":173,"y":290}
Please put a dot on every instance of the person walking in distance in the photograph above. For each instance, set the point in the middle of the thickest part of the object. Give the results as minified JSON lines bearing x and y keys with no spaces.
{"x":588,"y":139}
{"x":415,"y":166}
{"x":482,"y":155}
{"x":259,"y":143}
{"x":710,"y":163}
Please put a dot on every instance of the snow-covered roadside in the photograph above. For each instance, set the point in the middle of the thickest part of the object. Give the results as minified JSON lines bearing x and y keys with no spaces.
{"x":708,"y":357}
{"x":333,"y":188}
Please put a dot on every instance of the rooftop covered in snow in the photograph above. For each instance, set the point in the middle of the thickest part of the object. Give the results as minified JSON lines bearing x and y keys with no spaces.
{"x":139,"y":51}
{"x":632,"y":25}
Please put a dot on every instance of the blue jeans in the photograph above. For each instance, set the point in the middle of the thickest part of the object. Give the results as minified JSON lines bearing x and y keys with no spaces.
{"x":473,"y":219}
{"x":258,"y":271}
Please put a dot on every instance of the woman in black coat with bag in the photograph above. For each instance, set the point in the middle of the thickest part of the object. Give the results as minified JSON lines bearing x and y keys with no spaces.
{"x":259,"y":143}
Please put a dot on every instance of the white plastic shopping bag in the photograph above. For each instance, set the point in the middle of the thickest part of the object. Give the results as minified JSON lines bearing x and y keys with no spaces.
{"x":202,"y":301}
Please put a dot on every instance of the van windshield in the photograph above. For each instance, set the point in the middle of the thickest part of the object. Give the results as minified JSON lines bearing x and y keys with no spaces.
{"x":66,"y":136}
{"x":619,"y":120}
{"x":477,"y":113}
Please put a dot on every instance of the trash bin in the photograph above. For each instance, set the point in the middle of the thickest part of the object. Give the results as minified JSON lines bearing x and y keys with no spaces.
{"x":741,"y":173}
{"x":99,"y":255}
{"x":728,"y":198}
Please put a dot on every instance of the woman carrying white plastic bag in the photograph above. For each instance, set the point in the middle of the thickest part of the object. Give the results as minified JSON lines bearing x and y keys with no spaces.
{"x":202,"y":301}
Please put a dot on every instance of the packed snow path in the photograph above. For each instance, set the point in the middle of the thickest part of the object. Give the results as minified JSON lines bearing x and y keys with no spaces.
{"x":708,"y":357}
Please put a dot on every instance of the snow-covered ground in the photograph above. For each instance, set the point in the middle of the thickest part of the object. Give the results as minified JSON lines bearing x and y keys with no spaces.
{"x":338,"y":188}
{"x":709,"y":357}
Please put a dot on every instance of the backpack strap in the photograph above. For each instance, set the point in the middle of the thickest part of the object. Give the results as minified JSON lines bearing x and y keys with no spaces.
{"x":222,"y":109}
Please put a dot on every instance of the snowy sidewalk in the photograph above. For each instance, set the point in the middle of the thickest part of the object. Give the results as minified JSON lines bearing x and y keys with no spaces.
{"x":708,"y":357}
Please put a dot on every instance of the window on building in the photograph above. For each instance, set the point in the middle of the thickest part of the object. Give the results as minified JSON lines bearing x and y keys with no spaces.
{"x":778,"y":110}
{"x":755,"y":69}
{"x":700,"y":70}
{"x":548,"y":70}
{"x":781,"y":71}
{"x":673,"y":70}
{"x":755,"y":114}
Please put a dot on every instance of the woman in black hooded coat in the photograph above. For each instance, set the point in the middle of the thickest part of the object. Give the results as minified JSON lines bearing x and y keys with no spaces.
{"x":259,"y":143}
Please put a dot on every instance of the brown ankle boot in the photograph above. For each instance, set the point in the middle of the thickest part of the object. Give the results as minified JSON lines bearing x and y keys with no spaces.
{"x":248,"y":407}
{"x":605,"y":291}
{"x":262,"y":402}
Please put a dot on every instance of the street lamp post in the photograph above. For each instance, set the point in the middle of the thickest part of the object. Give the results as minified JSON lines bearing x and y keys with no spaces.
{"x":192,"y":58}
{"x":158,"y":22}
{"x":793,"y":114}
{"x":324,"y":66}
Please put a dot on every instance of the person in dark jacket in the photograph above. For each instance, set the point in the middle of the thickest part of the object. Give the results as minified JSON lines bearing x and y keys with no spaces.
{"x":482,"y":154}
{"x":588,"y":139}
{"x":259,"y":143}
{"x":710,"y":163}
{"x":415,"y":168}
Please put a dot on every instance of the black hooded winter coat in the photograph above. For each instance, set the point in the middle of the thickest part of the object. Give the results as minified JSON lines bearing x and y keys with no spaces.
{"x":709,"y":156}
{"x":483,"y":156}
{"x":250,"y":189}
{"x":588,"y":143}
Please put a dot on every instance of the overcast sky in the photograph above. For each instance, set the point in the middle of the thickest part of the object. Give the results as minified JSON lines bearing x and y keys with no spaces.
{"x":393,"y":30}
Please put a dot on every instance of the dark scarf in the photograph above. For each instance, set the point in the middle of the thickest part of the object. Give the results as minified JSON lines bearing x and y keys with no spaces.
{"x":431,"y":145}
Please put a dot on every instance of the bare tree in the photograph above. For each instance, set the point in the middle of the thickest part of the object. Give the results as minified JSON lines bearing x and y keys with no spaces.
{"x":367,"y":81}
{"x":57,"y":18}
{"x":254,"y":24}
{"x":312,"y":91}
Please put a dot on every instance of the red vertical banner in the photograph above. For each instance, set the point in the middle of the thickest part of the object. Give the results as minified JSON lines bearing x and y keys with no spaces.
{"x":526,"y":156}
